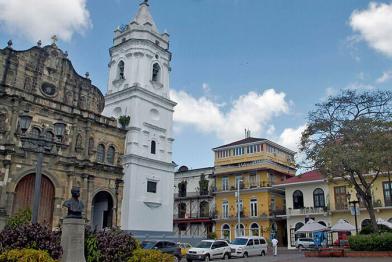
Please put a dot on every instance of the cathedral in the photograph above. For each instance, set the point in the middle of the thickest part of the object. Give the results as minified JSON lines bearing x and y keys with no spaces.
{"x":138,"y":90}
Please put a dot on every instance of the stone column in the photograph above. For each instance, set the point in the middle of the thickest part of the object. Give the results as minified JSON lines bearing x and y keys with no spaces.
{"x":72,"y":240}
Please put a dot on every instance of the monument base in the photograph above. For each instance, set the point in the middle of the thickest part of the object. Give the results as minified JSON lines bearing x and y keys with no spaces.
{"x":72,"y":240}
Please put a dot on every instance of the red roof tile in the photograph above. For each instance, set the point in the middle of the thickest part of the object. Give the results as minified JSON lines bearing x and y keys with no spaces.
{"x":305,"y":177}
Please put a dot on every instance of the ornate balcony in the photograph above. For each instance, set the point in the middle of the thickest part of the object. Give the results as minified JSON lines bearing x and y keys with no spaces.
{"x":306,"y":211}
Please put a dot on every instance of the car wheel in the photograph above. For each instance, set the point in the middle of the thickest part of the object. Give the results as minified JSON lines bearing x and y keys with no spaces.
{"x":226,"y":256}
{"x":207,"y":258}
{"x":246,"y":254}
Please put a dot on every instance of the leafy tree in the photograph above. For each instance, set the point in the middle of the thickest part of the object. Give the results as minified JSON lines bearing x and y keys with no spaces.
{"x":349,"y":137}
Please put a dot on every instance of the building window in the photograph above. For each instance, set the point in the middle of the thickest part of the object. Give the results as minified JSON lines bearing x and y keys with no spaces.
{"x":156,"y":71}
{"x":35,"y":132}
{"x":240,"y":231}
{"x":318,"y":198}
{"x":153,"y":147}
{"x":182,"y":189}
{"x":225,"y":183}
{"x":49,"y":135}
{"x":181,"y":210}
{"x":101,"y":153}
{"x":90,"y":146}
{"x":253,"y":207}
{"x":340,"y":197}
{"x":204,"y":209}
{"x":226,"y":232}
{"x":254,"y":230}
{"x":387,"y":188}
{"x":239,"y":181}
{"x":253,"y":180}
{"x":298,"y":200}
{"x":225,"y":209}
{"x":111,"y":154}
{"x":121,"y":67}
{"x":151,"y":187}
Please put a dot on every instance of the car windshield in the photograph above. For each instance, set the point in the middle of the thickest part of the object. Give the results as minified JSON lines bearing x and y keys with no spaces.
{"x":204,"y":244}
{"x":240,"y":241}
{"x":148,"y":244}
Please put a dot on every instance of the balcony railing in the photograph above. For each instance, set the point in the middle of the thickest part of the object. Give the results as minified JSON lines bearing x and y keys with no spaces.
{"x":210,"y":214}
{"x":263,"y":184}
{"x":306,"y":211}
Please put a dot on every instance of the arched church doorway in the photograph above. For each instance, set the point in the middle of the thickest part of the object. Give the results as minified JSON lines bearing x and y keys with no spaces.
{"x":24,"y":193}
{"x":102,"y":210}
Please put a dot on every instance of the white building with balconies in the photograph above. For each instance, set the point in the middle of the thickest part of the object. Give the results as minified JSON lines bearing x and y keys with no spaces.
{"x":306,"y":198}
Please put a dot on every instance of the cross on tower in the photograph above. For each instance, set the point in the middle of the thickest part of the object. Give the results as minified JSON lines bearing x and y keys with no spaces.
{"x":54,"y":39}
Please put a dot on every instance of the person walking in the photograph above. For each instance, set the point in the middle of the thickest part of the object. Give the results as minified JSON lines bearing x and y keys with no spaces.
{"x":275,"y":246}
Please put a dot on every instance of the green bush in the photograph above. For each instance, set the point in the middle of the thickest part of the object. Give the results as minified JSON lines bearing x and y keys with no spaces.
{"x":148,"y":255}
{"x":369,"y":230}
{"x":25,"y":255}
{"x":372,"y":242}
{"x":22,"y":217}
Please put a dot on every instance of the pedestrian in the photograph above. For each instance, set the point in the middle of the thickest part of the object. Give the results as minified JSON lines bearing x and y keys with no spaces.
{"x":275,"y":246}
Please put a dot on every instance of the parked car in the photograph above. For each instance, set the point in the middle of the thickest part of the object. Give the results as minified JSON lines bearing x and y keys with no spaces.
{"x":163,"y":246}
{"x":248,"y":246}
{"x":305,"y":243}
{"x":207,"y":250}
{"x":184,"y":248}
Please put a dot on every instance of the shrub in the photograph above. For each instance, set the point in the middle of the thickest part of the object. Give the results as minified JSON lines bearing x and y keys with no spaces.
{"x":25,"y":255}
{"x":148,"y":255}
{"x":20,"y":218}
{"x":369,"y":230}
{"x":372,"y":242}
{"x":109,"y":245}
{"x":33,"y":236}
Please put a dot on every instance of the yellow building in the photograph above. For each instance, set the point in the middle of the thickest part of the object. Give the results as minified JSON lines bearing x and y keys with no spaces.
{"x":340,"y":193}
{"x":259,"y":164}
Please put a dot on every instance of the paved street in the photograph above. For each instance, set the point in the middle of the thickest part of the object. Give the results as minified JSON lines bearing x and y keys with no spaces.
{"x":301,"y":258}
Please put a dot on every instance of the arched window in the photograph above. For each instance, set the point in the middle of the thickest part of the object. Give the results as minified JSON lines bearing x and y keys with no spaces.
{"x":121,"y":67}
{"x":156,"y":72}
{"x":101,"y":153}
{"x":318,"y":198}
{"x":226,"y":231}
{"x":153,"y":147}
{"x":204,"y":209}
{"x":298,"y":200}
{"x":49,"y":135}
{"x":110,"y":155}
{"x":254,"y":230}
{"x":298,"y":226}
{"x":322,"y":223}
{"x":90,"y":146}
{"x":181,"y":210}
{"x":241,"y":231}
{"x":35,"y":132}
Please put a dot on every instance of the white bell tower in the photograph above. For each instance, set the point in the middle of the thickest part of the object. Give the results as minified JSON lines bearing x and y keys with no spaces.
{"x":138,"y":87}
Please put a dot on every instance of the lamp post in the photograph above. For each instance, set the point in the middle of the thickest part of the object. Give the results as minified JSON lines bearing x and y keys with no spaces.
{"x":239,"y":181}
{"x":354,"y":203}
{"x":39,"y":145}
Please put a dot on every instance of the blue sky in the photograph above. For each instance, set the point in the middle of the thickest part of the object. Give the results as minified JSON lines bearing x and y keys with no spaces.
{"x":256,"y":64}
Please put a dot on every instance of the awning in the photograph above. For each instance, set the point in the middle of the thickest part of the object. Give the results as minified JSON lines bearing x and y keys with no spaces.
{"x":312,"y":226}
{"x":342,"y":226}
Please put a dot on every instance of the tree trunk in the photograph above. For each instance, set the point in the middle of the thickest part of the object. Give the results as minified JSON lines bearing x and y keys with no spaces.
{"x":370,"y":209}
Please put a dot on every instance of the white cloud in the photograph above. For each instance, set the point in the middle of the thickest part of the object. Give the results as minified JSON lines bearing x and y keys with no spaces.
{"x":359,"y":86}
{"x":291,"y":137}
{"x":386,"y":76}
{"x":374,"y":25}
{"x":40,"y":19}
{"x":252,"y":111}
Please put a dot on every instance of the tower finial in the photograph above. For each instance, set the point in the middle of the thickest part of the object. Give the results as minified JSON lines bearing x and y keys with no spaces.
{"x":54,"y":39}
{"x":145,"y":2}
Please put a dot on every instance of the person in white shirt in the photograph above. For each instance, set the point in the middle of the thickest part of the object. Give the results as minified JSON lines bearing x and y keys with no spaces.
{"x":275,"y":246}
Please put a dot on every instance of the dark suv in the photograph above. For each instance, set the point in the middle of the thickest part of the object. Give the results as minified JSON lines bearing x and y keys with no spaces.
{"x":163,"y":246}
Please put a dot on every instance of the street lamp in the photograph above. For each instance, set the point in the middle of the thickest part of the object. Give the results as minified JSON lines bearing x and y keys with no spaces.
{"x":38,"y":145}
{"x":354,"y":203}
{"x":239,"y":181}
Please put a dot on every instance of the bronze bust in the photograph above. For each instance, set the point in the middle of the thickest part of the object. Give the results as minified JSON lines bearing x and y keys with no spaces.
{"x":74,"y":205}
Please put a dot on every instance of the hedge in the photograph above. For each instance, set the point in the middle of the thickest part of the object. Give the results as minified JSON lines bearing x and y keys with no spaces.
{"x":372,"y":242}
{"x":25,"y":255}
{"x":148,"y":255}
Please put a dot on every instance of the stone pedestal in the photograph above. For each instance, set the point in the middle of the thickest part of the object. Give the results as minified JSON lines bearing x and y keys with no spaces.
{"x":72,"y":240}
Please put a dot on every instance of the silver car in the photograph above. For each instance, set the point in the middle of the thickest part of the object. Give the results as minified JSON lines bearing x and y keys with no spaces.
{"x":304,"y":243}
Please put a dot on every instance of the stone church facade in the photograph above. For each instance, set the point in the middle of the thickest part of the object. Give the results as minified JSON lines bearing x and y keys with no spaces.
{"x":42,"y":82}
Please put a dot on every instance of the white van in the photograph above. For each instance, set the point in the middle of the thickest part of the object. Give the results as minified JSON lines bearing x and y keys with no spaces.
{"x":248,"y":246}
